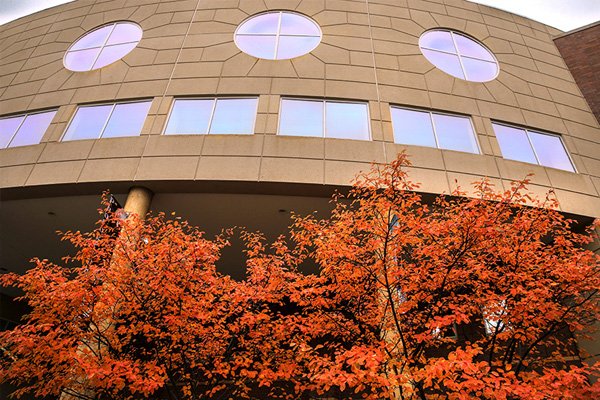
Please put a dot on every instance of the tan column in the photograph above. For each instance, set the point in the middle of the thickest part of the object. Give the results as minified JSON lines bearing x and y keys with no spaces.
{"x":138,"y":200}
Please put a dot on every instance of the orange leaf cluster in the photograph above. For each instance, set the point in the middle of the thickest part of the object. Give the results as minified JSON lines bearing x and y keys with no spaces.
{"x":455,"y":298}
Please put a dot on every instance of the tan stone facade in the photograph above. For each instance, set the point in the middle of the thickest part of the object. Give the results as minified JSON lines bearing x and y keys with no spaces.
{"x":369,"y":52}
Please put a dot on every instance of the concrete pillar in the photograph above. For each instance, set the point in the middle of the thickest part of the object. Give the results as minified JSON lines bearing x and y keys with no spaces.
{"x":138,"y":201}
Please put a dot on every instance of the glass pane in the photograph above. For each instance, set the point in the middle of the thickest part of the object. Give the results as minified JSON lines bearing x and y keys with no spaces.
{"x":234,"y":116}
{"x":93,"y":39}
{"x":110,"y":54}
{"x":294,"y":46}
{"x":294,"y":24}
{"x":81,"y":60}
{"x":125,"y":32}
{"x":257,"y":46}
{"x":8,"y":127}
{"x":470,"y":48}
{"x":550,"y":151}
{"x":455,"y":133}
{"x":33,"y":129}
{"x":437,"y":40}
{"x":88,"y":122}
{"x":261,"y":24}
{"x":514,"y":144}
{"x":301,"y":118}
{"x":346,"y":120}
{"x":412,"y":127}
{"x":446,"y":62}
{"x":127,"y":120}
{"x":190,"y":117}
{"x":479,"y":71}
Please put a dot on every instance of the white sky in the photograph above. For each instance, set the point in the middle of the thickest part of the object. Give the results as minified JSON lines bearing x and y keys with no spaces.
{"x":562,"y":14}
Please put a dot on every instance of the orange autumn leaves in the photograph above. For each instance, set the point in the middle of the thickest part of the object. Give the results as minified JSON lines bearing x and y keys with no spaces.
{"x":450,"y":298}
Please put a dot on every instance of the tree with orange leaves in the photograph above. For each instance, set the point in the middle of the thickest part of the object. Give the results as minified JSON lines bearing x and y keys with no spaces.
{"x":459,"y":298}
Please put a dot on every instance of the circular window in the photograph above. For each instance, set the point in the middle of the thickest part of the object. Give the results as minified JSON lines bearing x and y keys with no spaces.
{"x":102,"y":46}
{"x":277,"y":35}
{"x":459,"y":55}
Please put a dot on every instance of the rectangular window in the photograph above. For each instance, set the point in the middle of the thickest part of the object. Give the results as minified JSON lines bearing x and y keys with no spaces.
{"x":324,"y":118}
{"x":533,"y":147}
{"x":432,"y":129}
{"x":108,"y":120}
{"x":212,"y":116}
{"x":23,"y":130}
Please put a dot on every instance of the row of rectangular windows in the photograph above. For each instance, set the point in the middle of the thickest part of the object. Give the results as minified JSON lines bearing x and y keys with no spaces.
{"x":298,"y":117}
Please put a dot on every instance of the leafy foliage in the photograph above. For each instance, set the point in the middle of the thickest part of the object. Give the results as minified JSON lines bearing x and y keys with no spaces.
{"x":459,"y":298}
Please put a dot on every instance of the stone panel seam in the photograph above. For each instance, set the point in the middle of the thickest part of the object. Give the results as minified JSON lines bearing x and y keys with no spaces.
{"x":377,"y":91}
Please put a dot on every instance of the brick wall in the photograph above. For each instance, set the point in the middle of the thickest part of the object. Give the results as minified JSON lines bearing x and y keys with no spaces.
{"x":581,"y":52}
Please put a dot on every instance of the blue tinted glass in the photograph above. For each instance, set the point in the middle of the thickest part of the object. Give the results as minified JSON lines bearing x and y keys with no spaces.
{"x":437,"y":40}
{"x":234,"y":116}
{"x":412,"y":127}
{"x":294,"y":24}
{"x":127,"y":120}
{"x":301,"y":118}
{"x":88,"y":122}
{"x":470,"y":48}
{"x":8,"y":127}
{"x":455,"y":133}
{"x":257,"y":46}
{"x":189,"y":117}
{"x":294,"y":46}
{"x":446,"y":62}
{"x":81,"y":60}
{"x":125,"y":32}
{"x":514,"y":144}
{"x":347,"y":120}
{"x":261,"y":24}
{"x":33,"y":129}
{"x":479,"y":71}
{"x":550,"y":151}
{"x":110,"y":54}
{"x":93,"y":39}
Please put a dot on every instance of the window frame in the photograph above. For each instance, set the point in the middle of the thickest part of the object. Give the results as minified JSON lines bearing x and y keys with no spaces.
{"x":278,"y":34}
{"x":324,"y":110}
{"x":212,"y":114}
{"x":103,"y":46}
{"x":26,"y":115}
{"x":535,"y":153}
{"x":458,"y":54}
{"x":433,"y":126}
{"x":114,"y":105}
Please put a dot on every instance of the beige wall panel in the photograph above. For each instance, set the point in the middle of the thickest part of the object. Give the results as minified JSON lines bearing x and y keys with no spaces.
{"x":110,"y":169}
{"x":295,"y":170}
{"x":15,"y":176}
{"x":55,"y":172}
{"x":421,"y":157}
{"x":171,"y":145}
{"x":343,"y":172}
{"x":457,"y":161}
{"x":118,"y":147}
{"x":167,"y":168}
{"x":228,"y":168}
{"x":233,"y":145}
{"x":293,"y":147}
{"x":20,"y":155}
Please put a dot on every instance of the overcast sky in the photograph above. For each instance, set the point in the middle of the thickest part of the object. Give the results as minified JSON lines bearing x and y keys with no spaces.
{"x":562,"y":14}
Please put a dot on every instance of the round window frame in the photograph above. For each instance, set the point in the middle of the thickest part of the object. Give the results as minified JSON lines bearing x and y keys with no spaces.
{"x":278,"y":34}
{"x":457,"y":54}
{"x":103,"y":46}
